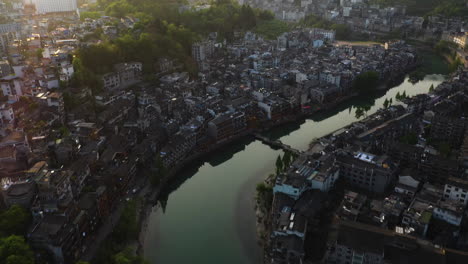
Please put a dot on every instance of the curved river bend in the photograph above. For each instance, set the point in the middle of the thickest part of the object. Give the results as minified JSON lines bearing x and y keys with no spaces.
{"x":207,"y":216}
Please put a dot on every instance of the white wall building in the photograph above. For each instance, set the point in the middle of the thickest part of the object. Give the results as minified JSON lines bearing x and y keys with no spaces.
{"x":6,"y":114}
{"x":292,"y":187}
{"x":330,"y":77}
{"x":66,"y":72}
{"x":202,"y":50}
{"x":456,"y":190}
{"x":407,"y":185}
{"x":11,"y":86}
{"x":111,"y":81}
{"x":450,"y":212}
{"x":324,"y":181}
{"x":54,"y":6}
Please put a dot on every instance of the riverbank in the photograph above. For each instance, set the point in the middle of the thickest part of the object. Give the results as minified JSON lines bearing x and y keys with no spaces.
{"x":309,"y":149}
{"x":209,"y":205}
{"x":263,"y":202}
{"x":152,"y":197}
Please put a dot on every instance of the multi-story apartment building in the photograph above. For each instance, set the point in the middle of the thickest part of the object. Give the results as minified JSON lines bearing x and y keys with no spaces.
{"x":202,"y":50}
{"x":8,"y":33}
{"x":360,"y":243}
{"x":456,"y":189}
{"x":461,"y":39}
{"x":11,"y":86}
{"x":227,"y":125}
{"x":450,"y":130}
{"x":125,"y":74}
{"x":367,"y":171}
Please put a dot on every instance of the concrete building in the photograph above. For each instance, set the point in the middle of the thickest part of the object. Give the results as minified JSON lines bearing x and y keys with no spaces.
{"x":227,"y":125}
{"x":19,"y":194}
{"x":111,"y":81}
{"x":456,"y":189}
{"x":461,"y":39}
{"x":449,"y":211}
{"x":367,"y":171}
{"x":360,"y":243}
{"x":407,"y":185}
{"x":5,"y":68}
{"x":202,"y":50}
{"x":124,"y":75}
{"x":12,"y":86}
{"x":6,"y":114}
{"x":417,"y":217}
{"x":54,"y":6}
{"x":8,"y":33}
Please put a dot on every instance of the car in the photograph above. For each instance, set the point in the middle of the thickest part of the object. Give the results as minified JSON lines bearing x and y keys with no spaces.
{"x":135,"y":190}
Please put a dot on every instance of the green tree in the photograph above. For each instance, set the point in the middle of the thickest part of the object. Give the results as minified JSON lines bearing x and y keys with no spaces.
{"x":90,"y":14}
{"x":127,"y":227}
{"x":39,"y":53}
{"x":287,"y":159}
{"x":431,"y":89}
{"x":410,"y":139}
{"x":120,"y":9}
{"x":279,"y":164}
{"x":366,"y":82}
{"x":266,"y":15}
{"x":362,"y":111}
{"x":247,"y":17}
{"x":444,"y":149}
{"x":261,"y":188}
{"x":386,"y":103}
{"x":342,"y":31}
{"x":159,"y":171}
{"x":14,"y":221}
{"x":127,"y":257}
{"x":14,"y":250}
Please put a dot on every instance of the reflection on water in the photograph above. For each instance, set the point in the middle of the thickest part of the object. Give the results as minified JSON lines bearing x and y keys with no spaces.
{"x":346,"y":113}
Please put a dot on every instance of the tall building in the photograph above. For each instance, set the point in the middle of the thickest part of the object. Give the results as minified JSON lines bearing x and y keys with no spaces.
{"x":53,"y":6}
{"x":8,"y":33}
{"x":367,"y":171}
{"x":202,"y":50}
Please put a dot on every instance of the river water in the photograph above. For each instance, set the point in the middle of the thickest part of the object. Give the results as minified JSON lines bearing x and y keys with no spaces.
{"x":207,"y":216}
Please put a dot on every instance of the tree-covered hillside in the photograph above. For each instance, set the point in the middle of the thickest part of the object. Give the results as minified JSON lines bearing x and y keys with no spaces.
{"x":429,"y":7}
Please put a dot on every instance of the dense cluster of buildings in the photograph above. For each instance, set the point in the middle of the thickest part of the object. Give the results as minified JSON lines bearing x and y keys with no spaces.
{"x":70,"y":155}
{"x":371,"y":18}
{"x":403,"y":199}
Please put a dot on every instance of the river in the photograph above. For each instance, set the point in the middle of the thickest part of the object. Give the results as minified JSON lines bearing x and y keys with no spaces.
{"x":207,"y":215}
